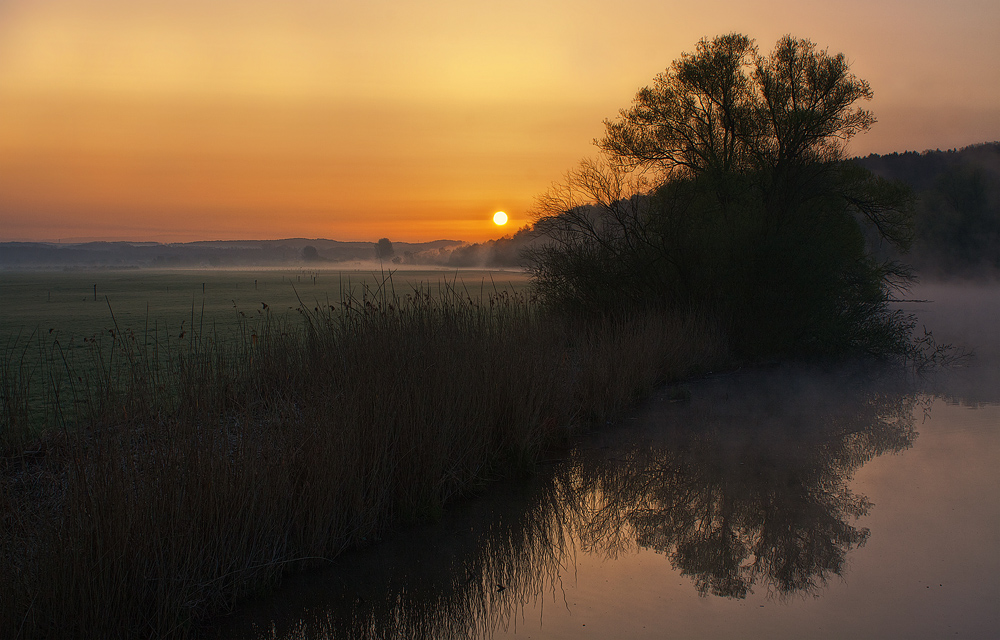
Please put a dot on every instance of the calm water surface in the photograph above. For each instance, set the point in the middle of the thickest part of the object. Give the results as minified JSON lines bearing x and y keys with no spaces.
{"x":773,"y":503}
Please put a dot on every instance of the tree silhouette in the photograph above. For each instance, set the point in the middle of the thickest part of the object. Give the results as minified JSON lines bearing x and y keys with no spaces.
{"x":384,"y":250}
{"x":724,"y":189}
{"x":309,"y":253}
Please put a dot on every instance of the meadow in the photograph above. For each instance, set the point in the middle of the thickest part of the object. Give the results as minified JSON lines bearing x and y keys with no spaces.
{"x":151,"y":481}
{"x":81,"y":302}
{"x":53,"y":321}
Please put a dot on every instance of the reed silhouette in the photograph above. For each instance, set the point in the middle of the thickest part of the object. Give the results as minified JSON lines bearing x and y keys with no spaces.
{"x":178,"y":477}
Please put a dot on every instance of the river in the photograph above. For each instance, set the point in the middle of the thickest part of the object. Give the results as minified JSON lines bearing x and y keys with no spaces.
{"x":847,"y":501}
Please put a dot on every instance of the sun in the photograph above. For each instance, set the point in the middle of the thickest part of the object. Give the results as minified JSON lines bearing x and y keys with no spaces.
{"x":500,"y":218}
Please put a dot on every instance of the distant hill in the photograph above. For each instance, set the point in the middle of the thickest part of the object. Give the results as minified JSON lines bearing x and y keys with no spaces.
{"x":957,"y":222}
{"x":501,"y":253}
{"x":222,"y":253}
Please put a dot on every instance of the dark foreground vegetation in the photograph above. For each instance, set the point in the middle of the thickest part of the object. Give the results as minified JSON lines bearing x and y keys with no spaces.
{"x":147,"y":486}
{"x":178,"y":481}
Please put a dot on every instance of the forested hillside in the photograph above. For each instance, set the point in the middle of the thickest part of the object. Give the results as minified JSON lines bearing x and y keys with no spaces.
{"x":957,"y":221}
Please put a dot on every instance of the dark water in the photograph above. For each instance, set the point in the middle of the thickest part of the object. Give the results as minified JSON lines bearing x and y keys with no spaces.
{"x":772,"y":503}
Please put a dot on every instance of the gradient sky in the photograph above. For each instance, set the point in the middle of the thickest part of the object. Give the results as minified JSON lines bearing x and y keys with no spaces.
{"x":178,"y":120}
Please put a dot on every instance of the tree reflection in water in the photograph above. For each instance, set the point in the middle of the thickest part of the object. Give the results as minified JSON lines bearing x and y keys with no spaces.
{"x":758,"y":495}
{"x":745,"y":486}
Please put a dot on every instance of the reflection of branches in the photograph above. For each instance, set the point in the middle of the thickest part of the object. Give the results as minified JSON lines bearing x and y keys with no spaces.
{"x":737,"y":495}
{"x":735,"y":505}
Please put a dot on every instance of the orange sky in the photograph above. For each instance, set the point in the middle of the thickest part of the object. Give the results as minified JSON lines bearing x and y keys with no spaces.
{"x":178,"y":120}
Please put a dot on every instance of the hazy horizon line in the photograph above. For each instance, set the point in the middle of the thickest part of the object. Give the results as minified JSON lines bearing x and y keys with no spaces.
{"x":89,"y":239}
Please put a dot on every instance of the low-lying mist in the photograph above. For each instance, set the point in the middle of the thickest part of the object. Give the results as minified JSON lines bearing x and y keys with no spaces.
{"x":501,"y":253}
{"x":966,"y":315}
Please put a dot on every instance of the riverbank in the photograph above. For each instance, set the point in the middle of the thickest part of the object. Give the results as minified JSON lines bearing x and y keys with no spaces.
{"x":185,"y":481}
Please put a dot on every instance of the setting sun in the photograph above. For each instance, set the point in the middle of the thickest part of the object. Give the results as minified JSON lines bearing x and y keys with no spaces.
{"x":500,"y":218}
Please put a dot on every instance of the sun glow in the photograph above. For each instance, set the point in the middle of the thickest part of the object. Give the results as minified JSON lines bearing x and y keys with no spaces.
{"x":500,"y":218}
{"x":183,"y":120}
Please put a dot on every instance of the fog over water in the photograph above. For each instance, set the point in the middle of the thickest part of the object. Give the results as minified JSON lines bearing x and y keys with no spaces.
{"x":784,"y":502}
{"x":965,"y":314}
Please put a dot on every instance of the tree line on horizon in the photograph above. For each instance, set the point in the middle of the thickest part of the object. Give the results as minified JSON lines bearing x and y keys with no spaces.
{"x":957,"y":208}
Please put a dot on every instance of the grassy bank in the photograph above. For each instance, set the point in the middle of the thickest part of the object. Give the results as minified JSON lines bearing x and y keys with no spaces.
{"x":169,"y":481}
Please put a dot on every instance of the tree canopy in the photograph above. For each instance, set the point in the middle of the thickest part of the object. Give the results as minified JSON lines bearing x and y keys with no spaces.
{"x":726,"y":108}
{"x":724,"y":190}
{"x":384,"y":249}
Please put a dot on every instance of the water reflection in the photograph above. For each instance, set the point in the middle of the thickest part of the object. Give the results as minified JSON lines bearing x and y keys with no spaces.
{"x":743,"y":487}
{"x":752,"y":492}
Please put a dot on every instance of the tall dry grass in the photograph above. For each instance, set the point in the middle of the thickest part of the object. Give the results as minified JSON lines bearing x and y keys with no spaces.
{"x":172,"y":479}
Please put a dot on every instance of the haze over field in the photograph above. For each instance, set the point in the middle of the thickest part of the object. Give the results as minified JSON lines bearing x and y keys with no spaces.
{"x":182,"y":120}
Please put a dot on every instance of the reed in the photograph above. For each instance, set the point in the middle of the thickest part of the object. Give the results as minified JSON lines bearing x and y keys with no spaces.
{"x":149,"y":483}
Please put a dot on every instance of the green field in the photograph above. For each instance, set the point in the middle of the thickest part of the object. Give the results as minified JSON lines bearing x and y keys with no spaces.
{"x":63,"y":304}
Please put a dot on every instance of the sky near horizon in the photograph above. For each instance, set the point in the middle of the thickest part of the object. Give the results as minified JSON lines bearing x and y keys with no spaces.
{"x":178,"y":120}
